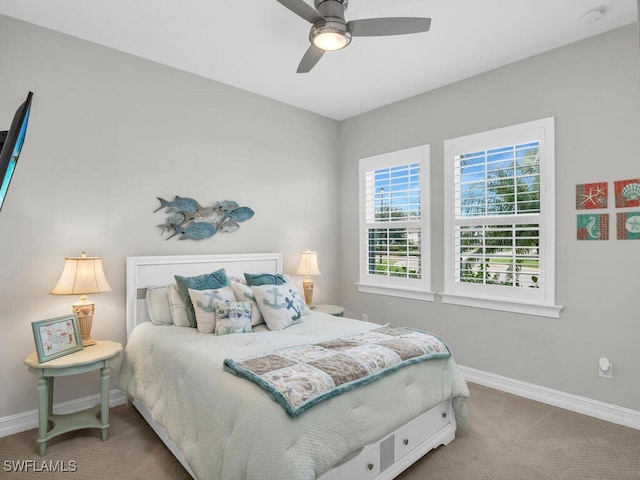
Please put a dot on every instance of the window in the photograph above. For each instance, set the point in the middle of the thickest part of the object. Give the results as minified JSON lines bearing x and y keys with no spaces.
{"x":394,"y":220}
{"x":499,"y":219}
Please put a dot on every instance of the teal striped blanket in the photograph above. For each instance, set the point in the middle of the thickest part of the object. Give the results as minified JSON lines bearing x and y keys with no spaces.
{"x":302,"y":376}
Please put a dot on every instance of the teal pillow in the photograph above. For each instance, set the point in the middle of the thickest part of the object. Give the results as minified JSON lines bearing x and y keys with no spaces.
{"x":257,"y":279}
{"x":207,"y":281}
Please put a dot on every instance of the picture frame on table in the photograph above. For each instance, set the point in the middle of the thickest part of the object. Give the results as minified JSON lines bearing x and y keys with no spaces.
{"x":56,"y":337}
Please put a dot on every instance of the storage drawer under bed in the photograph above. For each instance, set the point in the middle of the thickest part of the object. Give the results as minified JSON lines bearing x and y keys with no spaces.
{"x":409,"y":436}
{"x":374,"y":460}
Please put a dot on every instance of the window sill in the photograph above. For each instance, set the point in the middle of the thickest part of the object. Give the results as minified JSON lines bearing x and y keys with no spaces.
{"x":552,"y":311}
{"x":396,"y":292}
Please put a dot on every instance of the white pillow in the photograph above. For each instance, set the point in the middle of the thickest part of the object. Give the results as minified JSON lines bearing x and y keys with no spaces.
{"x":158,"y":305}
{"x":179,"y":312}
{"x":204,"y":306}
{"x":280,"y":305}
{"x":244,"y":293}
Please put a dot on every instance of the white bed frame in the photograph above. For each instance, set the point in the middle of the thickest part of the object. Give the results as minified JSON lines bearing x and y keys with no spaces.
{"x":383,"y":460}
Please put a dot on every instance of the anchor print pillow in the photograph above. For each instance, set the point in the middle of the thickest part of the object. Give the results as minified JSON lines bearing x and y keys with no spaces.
{"x":204,"y":303}
{"x":281,"y":305}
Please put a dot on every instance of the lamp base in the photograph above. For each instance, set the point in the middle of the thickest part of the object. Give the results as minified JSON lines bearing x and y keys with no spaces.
{"x":84,"y":310}
{"x":307,"y":285}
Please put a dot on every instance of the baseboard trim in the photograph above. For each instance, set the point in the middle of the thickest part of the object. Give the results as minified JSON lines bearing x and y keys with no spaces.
{"x":28,"y":420}
{"x":586,"y":406}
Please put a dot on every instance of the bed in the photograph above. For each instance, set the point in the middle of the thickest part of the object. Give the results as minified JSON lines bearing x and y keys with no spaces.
{"x":221,"y":426}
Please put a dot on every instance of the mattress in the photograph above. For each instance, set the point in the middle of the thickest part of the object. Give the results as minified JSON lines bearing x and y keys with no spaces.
{"x":229,"y":428}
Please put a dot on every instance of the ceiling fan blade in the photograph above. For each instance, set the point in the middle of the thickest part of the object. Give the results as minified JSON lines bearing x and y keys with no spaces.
{"x":302,"y":9}
{"x":310,"y":58}
{"x":374,"y":27}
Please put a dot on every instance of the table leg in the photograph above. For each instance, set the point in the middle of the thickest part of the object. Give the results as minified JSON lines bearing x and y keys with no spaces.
{"x":50,"y":409}
{"x":44,"y":406}
{"x":104,"y":402}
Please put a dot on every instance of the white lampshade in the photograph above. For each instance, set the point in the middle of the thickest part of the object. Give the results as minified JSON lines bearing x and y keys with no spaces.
{"x":308,"y":264}
{"x":81,"y":275}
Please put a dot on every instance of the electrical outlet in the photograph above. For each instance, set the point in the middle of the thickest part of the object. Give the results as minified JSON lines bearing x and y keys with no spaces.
{"x":605,"y":368}
{"x":365,"y":317}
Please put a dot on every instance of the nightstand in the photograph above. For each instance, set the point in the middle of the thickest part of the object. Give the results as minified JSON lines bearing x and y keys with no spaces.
{"x":91,"y":358}
{"x":335,"y":310}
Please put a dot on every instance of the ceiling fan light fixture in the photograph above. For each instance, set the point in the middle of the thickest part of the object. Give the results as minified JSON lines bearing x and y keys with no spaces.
{"x":328,"y":37}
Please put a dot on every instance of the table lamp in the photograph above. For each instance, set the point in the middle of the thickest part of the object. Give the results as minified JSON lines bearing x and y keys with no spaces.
{"x":80,"y":276}
{"x":308,"y":267}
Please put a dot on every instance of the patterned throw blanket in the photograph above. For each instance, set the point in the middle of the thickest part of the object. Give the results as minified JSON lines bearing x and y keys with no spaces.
{"x":302,"y":376}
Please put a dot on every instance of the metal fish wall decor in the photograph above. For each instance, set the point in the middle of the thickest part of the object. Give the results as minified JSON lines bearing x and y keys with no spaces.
{"x":194,"y":222}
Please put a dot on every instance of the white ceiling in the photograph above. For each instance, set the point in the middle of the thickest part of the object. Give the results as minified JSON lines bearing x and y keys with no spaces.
{"x":256,"y":45}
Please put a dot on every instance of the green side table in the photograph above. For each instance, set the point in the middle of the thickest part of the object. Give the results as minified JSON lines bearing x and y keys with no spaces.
{"x":90,"y":358}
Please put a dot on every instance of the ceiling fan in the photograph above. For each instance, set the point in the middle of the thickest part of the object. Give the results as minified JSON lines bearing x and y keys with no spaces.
{"x":330,"y":31}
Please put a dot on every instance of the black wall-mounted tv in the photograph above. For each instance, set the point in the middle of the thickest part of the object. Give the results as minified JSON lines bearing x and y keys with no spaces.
{"x":11,"y":144}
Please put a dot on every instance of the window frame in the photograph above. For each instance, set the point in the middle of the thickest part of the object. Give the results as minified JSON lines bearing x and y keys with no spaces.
{"x":534,"y":301}
{"x":417,"y":289}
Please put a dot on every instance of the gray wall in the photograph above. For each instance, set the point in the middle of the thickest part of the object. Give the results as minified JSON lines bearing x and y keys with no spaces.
{"x":108,"y":134}
{"x":592,"y":89}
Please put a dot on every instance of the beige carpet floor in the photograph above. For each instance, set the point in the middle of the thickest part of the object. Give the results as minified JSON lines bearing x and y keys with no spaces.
{"x":509,"y":438}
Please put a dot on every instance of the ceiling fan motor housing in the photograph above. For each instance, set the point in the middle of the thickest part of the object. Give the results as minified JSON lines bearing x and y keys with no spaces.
{"x":331,"y":8}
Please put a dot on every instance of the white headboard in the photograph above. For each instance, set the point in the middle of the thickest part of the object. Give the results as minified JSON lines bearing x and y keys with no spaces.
{"x":143,"y":272}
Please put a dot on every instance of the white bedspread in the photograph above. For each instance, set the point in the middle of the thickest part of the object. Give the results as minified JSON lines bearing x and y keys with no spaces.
{"x":228,"y":428}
